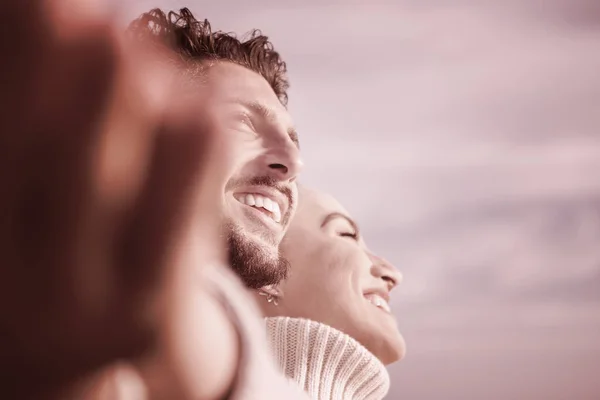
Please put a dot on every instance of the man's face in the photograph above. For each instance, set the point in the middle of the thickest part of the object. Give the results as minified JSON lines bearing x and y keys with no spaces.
{"x":260,"y":195}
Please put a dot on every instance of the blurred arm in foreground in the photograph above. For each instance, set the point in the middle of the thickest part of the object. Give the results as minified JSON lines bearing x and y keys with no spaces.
{"x":102,"y":177}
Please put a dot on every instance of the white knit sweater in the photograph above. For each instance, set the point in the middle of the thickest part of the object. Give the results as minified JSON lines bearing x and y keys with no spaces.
{"x":327,"y":363}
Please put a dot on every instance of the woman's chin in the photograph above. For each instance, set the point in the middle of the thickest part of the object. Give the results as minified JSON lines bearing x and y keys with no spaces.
{"x":393,"y":349}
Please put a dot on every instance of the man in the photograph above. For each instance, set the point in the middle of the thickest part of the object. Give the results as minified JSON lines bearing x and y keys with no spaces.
{"x":97,"y":201}
{"x":246,"y":83}
{"x":240,"y":89}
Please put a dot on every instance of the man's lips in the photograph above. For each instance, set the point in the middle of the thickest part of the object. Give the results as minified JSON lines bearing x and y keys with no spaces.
{"x":265,"y":204}
{"x":270,"y":200}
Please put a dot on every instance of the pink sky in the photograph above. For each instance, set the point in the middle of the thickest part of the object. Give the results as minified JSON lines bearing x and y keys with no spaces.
{"x":465,"y":138}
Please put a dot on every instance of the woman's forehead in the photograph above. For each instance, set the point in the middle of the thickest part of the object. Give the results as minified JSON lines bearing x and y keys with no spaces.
{"x":317,"y":203}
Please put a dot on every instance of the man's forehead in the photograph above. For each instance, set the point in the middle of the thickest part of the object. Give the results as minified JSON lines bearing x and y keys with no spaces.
{"x":230,"y":80}
{"x":229,"y":83}
{"x":231,"y":70}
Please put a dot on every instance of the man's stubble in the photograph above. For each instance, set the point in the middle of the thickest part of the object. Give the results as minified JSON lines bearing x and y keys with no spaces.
{"x":253,"y":263}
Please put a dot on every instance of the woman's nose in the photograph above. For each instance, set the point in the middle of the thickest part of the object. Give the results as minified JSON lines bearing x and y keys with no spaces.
{"x":385,"y":271}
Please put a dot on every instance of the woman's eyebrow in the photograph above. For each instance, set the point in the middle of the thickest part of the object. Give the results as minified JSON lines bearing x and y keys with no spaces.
{"x":331,"y":216}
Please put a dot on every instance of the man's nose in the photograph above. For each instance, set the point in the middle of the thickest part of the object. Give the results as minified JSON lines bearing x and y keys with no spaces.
{"x":283,"y":161}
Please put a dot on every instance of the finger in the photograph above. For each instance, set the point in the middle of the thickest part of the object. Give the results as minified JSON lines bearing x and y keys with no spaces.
{"x":47,"y":143}
{"x":166,"y":203}
{"x":100,"y":309}
{"x":45,"y":184}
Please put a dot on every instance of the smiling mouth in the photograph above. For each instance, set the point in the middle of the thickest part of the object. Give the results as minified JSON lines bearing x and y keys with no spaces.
{"x":261,"y":203}
{"x":378,"y":302}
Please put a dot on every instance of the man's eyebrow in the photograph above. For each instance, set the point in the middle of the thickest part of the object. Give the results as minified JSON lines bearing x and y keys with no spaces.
{"x":331,"y":216}
{"x":258,"y":108}
{"x":267,"y":113}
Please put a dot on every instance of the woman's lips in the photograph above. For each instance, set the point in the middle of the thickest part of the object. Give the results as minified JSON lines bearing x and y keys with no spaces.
{"x":378,"y":301}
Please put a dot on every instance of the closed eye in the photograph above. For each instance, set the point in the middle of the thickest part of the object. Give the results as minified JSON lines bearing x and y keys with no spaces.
{"x":245,"y":119}
{"x":352,"y":235}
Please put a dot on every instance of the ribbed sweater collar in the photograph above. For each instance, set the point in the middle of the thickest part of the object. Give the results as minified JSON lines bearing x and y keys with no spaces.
{"x":327,"y":363}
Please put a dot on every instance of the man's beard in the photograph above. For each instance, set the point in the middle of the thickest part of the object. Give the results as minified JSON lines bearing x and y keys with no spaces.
{"x":252,"y":263}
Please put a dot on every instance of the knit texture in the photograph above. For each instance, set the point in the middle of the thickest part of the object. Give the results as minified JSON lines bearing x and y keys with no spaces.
{"x":327,"y":363}
{"x":258,"y":377}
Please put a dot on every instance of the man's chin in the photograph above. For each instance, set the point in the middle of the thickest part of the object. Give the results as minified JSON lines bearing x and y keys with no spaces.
{"x":267,"y":240}
{"x":255,"y":225}
{"x":257,"y":262}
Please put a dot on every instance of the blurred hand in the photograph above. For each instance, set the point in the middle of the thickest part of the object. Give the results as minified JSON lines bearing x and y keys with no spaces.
{"x":102,"y":176}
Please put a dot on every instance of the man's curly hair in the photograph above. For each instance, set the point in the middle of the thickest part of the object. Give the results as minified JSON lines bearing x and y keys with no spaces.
{"x":195,"y":40}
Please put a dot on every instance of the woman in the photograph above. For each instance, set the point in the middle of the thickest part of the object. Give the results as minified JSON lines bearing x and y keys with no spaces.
{"x":329,"y":323}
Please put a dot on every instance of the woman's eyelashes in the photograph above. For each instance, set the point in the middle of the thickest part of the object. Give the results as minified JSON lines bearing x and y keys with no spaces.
{"x":352,"y":235}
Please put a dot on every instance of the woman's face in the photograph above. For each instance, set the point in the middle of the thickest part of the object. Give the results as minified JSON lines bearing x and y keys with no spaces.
{"x":334,"y":279}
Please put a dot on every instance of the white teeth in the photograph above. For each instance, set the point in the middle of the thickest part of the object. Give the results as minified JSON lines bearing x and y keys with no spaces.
{"x":268,"y":204}
{"x":276,"y":212}
{"x":259,"y":201}
{"x":256,"y":200}
{"x":378,"y":301}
